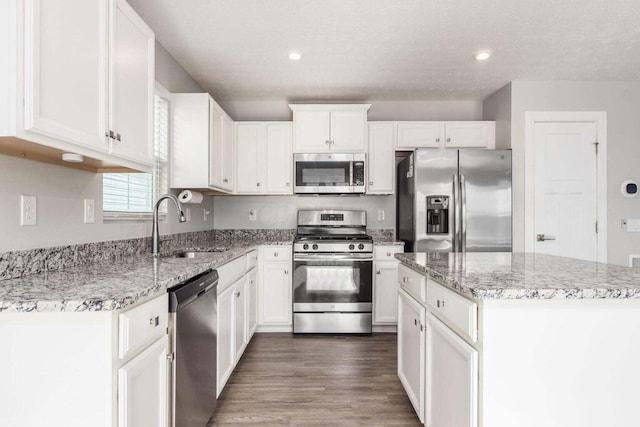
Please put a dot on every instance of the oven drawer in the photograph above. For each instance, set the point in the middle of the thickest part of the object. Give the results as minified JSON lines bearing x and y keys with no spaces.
{"x":332,"y":323}
{"x":413,"y":282}
{"x":454,"y":309}
{"x":276,"y":253}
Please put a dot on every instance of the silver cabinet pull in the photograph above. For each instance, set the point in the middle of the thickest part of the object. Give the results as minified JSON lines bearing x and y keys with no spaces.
{"x":238,"y":295}
{"x":225,"y":180}
{"x":421,"y":327}
{"x":437,"y":139}
{"x":542,"y":237}
{"x":370,"y":182}
{"x":258,"y":184}
{"x":286,"y":272}
{"x":154,"y":321}
{"x":118,"y":137}
{"x":448,"y":139}
{"x":275,"y":254}
{"x":377,"y":271}
{"x":287,"y":184}
{"x":388,"y":253}
{"x":327,"y":142}
{"x":440,"y":304}
{"x":415,"y":322}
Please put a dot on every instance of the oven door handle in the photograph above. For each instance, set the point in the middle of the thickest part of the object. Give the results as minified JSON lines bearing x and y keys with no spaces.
{"x":333,"y":257}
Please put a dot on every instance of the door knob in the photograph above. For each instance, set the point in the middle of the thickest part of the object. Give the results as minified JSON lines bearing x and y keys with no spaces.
{"x":542,"y":237}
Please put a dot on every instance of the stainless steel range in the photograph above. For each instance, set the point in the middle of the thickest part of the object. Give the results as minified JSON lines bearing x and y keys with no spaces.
{"x":333,"y":267}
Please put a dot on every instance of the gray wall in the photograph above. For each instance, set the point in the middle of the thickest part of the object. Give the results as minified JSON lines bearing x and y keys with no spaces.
{"x":60,"y":192}
{"x":379,"y":111}
{"x":497,"y":107}
{"x":280,"y":211}
{"x":621,"y":101}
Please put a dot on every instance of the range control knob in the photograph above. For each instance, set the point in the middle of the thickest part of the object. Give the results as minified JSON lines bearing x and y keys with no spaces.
{"x":351,"y":247}
{"x":360,"y":246}
{"x":305,"y":246}
{"x":315,"y":247}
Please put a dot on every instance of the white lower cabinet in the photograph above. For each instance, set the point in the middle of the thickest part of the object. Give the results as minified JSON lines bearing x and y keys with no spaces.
{"x":225,"y":348}
{"x":451,"y":395}
{"x":385,"y":285}
{"x":240,"y":315}
{"x":252,"y":302}
{"x":274,"y":290}
{"x":411,"y":350}
{"x":143,"y":388}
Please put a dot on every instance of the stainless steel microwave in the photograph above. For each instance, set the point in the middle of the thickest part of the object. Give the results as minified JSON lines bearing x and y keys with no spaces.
{"x":330,"y":173}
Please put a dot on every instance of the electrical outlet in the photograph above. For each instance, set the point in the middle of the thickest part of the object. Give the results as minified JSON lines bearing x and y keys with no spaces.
{"x":89,"y":211}
{"x":187,"y":214}
{"x":205,"y":215}
{"x":253,"y":215}
{"x":28,"y":210}
{"x":380,"y":215}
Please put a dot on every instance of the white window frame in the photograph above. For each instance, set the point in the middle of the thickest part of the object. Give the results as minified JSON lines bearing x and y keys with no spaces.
{"x":109,"y":216}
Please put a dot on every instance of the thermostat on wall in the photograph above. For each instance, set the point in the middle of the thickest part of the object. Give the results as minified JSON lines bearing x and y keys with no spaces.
{"x":629,"y":188}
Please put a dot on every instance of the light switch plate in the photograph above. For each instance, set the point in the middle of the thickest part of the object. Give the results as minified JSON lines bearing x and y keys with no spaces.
{"x":89,"y":211}
{"x":28,"y":210}
{"x":380,"y":215}
{"x":633,"y":225}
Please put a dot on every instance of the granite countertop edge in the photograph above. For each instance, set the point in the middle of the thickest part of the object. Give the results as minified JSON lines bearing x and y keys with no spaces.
{"x":467,"y":282}
{"x":113,"y":290}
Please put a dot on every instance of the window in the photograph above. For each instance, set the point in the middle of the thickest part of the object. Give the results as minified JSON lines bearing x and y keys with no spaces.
{"x":131,"y":196}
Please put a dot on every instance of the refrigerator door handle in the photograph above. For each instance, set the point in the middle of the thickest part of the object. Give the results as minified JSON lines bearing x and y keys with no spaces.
{"x":463,"y":213}
{"x":456,"y":214}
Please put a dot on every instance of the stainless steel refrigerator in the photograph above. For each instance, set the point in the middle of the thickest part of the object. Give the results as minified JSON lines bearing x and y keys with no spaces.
{"x":454,"y":201}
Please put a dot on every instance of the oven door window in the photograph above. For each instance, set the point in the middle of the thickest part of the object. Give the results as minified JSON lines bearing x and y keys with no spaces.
{"x":322,"y":174}
{"x":332,"y":281}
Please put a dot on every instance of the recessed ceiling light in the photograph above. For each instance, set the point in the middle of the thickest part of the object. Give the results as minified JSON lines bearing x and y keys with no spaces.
{"x":294,"y":55}
{"x":482,"y":55}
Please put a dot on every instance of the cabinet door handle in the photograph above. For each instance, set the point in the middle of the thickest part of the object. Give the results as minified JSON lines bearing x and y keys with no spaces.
{"x":327,"y":142}
{"x":377,"y":271}
{"x":118,"y":137}
{"x":421,"y":327}
{"x":370,"y":182}
{"x":448,"y":139}
{"x":437,"y":139}
{"x":225,"y":180}
{"x":275,"y":254}
{"x":440,"y":304}
{"x":388,"y":253}
{"x":415,"y":322}
{"x":287,"y":184}
{"x":404,"y":280}
{"x":154,"y":321}
{"x":110,"y":134}
{"x":238,"y":295}
{"x":286,"y":272}
{"x":258,"y":184}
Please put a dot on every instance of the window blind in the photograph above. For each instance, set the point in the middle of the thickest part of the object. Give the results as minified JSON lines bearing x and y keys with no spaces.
{"x":132,"y":195}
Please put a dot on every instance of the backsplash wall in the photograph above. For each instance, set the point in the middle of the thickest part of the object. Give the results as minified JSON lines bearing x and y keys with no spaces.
{"x":274,"y":212}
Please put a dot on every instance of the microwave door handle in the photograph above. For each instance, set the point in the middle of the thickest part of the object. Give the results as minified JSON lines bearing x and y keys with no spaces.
{"x":351,"y":175}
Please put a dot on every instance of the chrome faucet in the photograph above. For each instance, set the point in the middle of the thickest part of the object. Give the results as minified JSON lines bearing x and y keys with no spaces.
{"x":155,"y":235}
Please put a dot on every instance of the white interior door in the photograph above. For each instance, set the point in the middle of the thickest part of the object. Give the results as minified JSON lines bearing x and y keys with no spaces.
{"x":566,"y":189}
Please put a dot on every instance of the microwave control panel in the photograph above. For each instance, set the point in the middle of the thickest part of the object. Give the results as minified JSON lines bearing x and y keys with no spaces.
{"x":358,"y":173}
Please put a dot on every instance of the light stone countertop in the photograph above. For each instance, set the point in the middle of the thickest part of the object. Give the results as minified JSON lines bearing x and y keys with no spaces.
{"x":525,"y":275}
{"x":115,"y":285}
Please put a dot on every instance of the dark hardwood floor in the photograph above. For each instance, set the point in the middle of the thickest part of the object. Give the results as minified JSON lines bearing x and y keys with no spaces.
{"x":316,"y":381}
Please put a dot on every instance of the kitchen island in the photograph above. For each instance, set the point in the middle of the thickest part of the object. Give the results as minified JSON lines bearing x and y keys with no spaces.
{"x":505,"y":339}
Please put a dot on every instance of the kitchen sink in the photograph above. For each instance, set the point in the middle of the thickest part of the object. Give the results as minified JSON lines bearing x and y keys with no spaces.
{"x":196,"y":253}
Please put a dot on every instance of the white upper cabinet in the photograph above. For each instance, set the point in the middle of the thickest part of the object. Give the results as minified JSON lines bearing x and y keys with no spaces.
{"x":470,"y":135}
{"x":381,"y":159}
{"x":131,"y":89}
{"x":264,"y":158}
{"x":82,"y":82}
{"x":420,"y":134}
{"x":65,"y":70}
{"x":446,"y":135}
{"x":329,"y":128}
{"x":202,"y":154}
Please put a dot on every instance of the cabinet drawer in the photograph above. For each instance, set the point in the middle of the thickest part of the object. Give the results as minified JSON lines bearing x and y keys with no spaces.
{"x":455,"y":310}
{"x":276,"y":253}
{"x":413,"y":282}
{"x":230,"y":272}
{"x":142,"y":325}
{"x":252,"y":259}
{"x":385,"y":253}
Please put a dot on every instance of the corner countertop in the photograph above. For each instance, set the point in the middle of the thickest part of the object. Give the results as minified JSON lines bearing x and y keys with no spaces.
{"x":112,"y":286}
{"x":526,"y":275}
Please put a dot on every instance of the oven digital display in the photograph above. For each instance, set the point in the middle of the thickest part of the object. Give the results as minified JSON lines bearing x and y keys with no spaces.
{"x":331,"y":217}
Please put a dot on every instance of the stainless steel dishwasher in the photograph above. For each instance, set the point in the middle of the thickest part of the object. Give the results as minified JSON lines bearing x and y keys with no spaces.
{"x":193,"y":329}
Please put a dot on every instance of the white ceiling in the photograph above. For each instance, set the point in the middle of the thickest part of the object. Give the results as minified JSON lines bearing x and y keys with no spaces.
{"x":393,"y":49}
